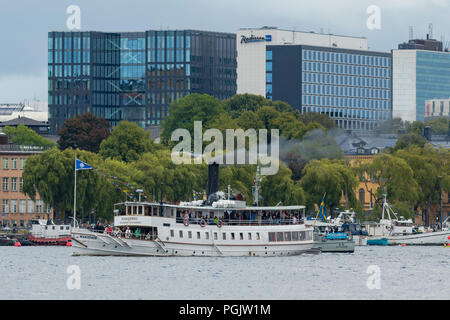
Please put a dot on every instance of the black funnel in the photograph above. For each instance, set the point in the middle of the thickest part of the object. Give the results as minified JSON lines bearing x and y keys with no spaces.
{"x":213,"y":179}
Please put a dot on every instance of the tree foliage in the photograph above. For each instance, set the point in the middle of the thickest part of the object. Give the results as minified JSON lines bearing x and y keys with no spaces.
{"x":334,"y":178}
{"x":85,"y":132}
{"x":127,"y":142}
{"x":24,"y":136}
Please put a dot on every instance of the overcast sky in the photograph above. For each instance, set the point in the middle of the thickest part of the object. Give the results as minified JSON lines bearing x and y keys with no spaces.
{"x":24,"y":25}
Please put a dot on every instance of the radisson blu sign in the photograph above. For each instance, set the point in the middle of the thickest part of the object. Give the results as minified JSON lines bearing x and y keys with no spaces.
{"x":253,"y":38}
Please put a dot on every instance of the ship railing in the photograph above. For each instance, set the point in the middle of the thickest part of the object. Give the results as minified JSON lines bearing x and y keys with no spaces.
{"x":123,"y":235}
{"x":238,"y":222}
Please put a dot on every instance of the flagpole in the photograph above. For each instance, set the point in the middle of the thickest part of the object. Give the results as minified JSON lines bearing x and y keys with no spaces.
{"x":75,"y":195}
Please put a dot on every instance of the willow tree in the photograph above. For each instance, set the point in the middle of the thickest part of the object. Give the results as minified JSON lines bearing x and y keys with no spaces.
{"x":335,"y":178}
{"x":51,"y":174}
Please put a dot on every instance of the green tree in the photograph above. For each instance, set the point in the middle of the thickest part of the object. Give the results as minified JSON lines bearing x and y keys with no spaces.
{"x":51,"y":174}
{"x":334,"y":177}
{"x":183,"y":113}
{"x":245,"y":102}
{"x":24,"y":136}
{"x":281,"y":188}
{"x":410,"y":139}
{"x":393,"y":176}
{"x":127,"y":142}
{"x":431,"y":171}
{"x":313,"y":117}
{"x":85,"y":132}
{"x":439,"y":125}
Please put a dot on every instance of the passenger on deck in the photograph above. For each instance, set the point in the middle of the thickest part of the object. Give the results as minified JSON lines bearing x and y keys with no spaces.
{"x":118,"y":232}
{"x":128,"y":233}
{"x":137,"y":233}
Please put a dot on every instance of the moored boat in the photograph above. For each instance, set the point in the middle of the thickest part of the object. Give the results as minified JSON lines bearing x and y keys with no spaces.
{"x":47,"y":233}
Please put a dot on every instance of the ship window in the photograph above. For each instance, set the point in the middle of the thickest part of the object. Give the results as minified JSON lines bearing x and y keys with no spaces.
{"x":241,"y":236}
{"x":232,"y":236}
{"x":257,"y":236}
{"x":53,"y":228}
{"x":190,"y":234}
{"x":249,"y":236}
{"x":302,"y":235}
{"x":198,"y":235}
{"x":171,"y":233}
{"x":272,"y":237}
{"x":181,"y":234}
{"x":61,"y":228}
{"x":294,"y":236}
{"x":287,"y":236}
{"x":67,"y":228}
{"x":207,"y":235}
{"x":215,"y":235}
{"x":224,"y":236}
{"x":279,"y":236}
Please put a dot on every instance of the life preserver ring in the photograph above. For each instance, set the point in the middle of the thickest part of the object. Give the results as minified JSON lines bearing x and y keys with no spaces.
{"x":219,"y":223}
{"x":186,"y":221}
{"x":202,"y":223}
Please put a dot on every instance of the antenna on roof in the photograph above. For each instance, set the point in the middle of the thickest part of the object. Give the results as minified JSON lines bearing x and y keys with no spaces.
{"x":430,"y":31}
{"x":411,"y":33}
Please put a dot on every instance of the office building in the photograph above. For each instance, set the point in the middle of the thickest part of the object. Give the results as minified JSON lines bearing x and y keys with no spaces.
{"x":353,"y":87}
{"x":251,"y":51}
{"x":135,"y":75}
{"x":418,"y":75}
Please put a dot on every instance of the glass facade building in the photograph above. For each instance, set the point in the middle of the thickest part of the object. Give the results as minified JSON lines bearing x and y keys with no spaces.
{"x":135,"y":75}
{"x":352,"y":87}
{"x":432,"y":79}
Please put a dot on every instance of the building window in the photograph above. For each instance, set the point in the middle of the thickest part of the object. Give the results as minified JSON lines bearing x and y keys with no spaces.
{"x":362,"y":196}
{"x":30,"y":206}
{"x":13,"y":184}
{"x":14,"y":163}
{"x":22,"y":163}
{"x":5,"y":163}
{"x":13,"y":206}
{"x":5,"y":207}
{"x":22,"y":206}
{"x":21,"y":184}
{"x":5,"y":184}
{"x":39,"y":208}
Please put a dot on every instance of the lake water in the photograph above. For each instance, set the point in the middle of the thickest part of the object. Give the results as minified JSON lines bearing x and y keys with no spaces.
{"x":404,"y":273}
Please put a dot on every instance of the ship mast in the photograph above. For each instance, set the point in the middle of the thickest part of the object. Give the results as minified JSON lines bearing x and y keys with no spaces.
{"x":256,"y":187}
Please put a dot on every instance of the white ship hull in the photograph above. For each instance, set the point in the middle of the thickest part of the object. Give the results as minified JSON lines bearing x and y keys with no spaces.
{"x":85,"y":242}
{"x":423,"y":239}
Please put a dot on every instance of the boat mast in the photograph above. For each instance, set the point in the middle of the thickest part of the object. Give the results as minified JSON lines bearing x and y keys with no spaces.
{"x":258,"y":179}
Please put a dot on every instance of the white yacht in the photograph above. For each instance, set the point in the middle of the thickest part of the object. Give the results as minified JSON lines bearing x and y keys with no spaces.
{"x":217,"y":226}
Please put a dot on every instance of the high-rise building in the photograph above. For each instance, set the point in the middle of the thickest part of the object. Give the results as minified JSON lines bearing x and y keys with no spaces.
{"x":418,"y":75}
{"x":353,"y":87}
{"x":251,"y":48}
{"x":135,"y":75}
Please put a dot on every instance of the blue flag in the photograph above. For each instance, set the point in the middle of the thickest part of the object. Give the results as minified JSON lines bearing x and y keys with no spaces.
{"x":80,"y":165}
{"x":323,"y":210}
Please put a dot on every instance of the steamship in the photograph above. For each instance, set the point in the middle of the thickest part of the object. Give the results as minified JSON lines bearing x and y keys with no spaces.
{"x":221,"y":225}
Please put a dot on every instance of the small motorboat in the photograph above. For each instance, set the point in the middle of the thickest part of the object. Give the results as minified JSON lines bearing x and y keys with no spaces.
{"x":377,"y":242}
